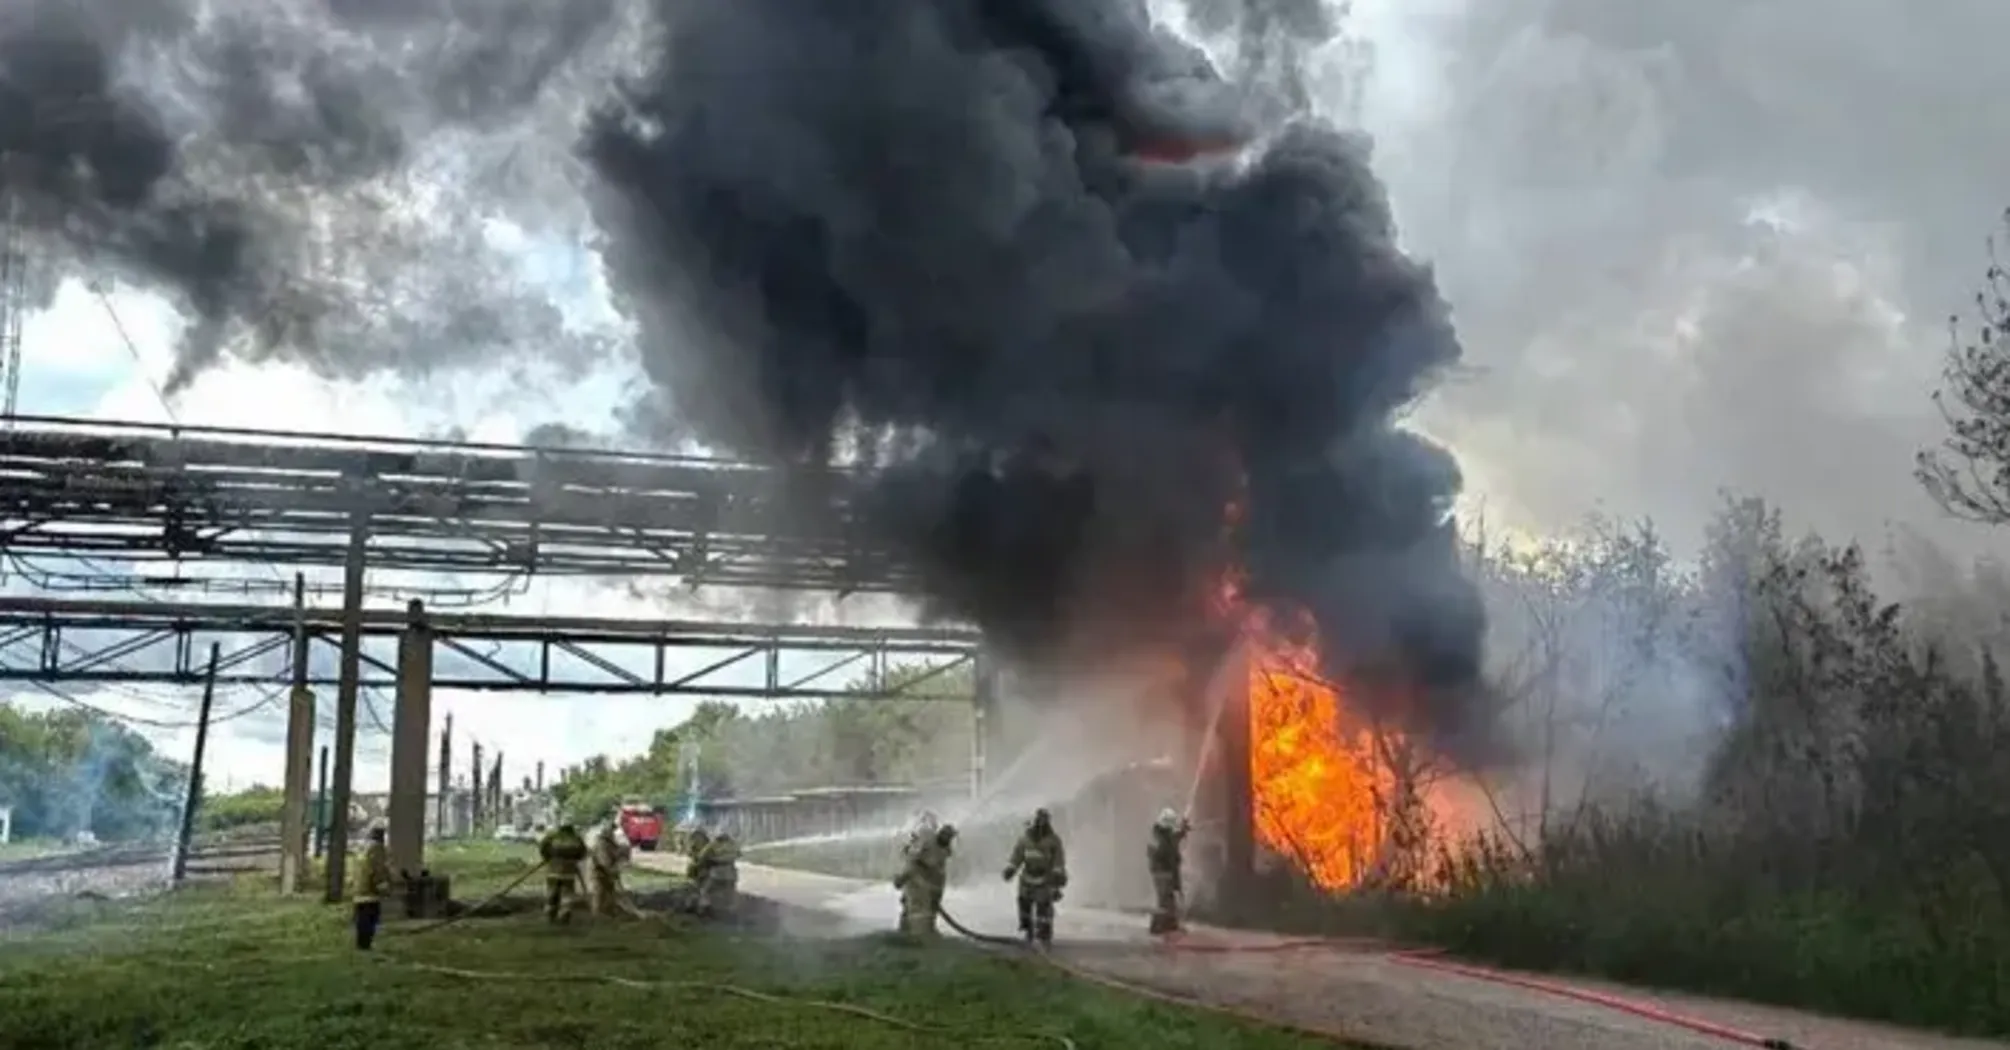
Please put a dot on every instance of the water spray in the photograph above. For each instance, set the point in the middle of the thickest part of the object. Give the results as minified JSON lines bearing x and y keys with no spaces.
{"x":688,"y":754}
{"x":1218,"y":690}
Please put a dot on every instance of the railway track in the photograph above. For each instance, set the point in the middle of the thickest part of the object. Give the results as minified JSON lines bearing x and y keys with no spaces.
{"x":138,"y":855}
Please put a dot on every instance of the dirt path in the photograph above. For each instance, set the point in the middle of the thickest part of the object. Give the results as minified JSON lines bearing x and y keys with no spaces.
{"x":1361,"y":993}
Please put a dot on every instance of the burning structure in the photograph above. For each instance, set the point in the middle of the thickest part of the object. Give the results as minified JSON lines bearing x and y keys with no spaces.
{"x":1122,"y":412}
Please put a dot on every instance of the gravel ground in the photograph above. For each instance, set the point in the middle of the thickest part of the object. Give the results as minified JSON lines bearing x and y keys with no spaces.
{"x":29,"y":897}
{"x":1351,"y":991}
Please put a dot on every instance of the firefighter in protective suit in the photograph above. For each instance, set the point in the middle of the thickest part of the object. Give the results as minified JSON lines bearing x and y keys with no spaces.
{"x":562,"y":851}
{"x":715,"y":871}
{"x":1041,"y":865}
{"x":922,"y":881}
{"x":1163,"y":858}
{"x":925,"y":827}
{"x":373,"y":883}
{"x":606,"y":856}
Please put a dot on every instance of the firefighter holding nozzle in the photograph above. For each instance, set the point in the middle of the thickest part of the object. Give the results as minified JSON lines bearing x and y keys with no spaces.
{"x":922,"y":880}
{"x":1163,"y":858}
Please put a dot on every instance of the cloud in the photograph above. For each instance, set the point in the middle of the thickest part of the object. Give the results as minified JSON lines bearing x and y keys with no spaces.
{"x":1692,"y":246}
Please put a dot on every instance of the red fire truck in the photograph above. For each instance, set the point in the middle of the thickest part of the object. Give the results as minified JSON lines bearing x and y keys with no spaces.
{"x":640,"y":824}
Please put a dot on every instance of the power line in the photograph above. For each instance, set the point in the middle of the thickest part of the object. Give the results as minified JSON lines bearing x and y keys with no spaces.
{"x":119,"y":326}
{"x":66,"y":697}
{"x":132,"y":348}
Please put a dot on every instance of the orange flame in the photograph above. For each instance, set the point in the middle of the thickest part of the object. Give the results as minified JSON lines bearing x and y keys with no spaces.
{"x":1318,"y":787}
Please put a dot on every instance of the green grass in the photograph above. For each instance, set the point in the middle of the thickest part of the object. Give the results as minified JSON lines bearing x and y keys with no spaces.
{"x":25,"y":849}
{"x":233,"y":968}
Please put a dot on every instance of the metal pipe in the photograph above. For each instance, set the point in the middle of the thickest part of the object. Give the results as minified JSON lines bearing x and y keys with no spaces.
{"x":578,"y":628}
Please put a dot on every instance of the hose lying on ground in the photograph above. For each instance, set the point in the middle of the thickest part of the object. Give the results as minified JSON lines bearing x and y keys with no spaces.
{"x":1430,"y":959}
{"x":1157,"y":995}
{"x":470,"y":912}
{"x":962,"y":1035}
{"x":736,"y":991}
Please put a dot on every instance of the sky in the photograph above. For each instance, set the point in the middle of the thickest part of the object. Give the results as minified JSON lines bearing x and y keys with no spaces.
{"x":1690,"y":249}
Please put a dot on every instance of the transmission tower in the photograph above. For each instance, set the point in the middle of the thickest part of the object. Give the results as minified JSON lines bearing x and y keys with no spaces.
{"x":13,"y":305}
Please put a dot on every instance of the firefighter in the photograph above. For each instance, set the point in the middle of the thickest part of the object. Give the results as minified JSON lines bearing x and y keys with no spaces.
{"x":923,"y":831}
{"x":1041,"y":865}
{"x":562,"y":851}
{"x":1163,"y":859}
{"x":922,"y":881}
{"x":607,"y":856}
{"x":925,"y":827}
{"x":373,"y":881}
{"x":716,"y":871}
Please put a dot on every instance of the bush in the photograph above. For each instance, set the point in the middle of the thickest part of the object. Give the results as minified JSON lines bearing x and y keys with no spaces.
{"x":1845,"y":844}
{"x":257,"y":805}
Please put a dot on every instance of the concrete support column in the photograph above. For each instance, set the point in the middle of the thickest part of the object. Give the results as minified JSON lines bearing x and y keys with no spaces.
{"x":411,"y":740}
{"x":294,"y":834}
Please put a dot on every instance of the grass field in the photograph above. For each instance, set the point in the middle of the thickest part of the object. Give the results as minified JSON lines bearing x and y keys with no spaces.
{"x":25,"y":849}
{"x":233,"y":968}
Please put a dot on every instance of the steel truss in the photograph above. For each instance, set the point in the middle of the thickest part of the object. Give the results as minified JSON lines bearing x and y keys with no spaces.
{"x":145,"y":493}
{"x":143,"y":642}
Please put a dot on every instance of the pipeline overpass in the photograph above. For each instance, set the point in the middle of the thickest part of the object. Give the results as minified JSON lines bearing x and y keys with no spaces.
{"x":150,"y":499}
{"x":148,"y":494}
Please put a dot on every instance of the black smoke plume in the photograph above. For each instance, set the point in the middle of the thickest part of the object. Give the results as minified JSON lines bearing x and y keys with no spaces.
{"x":906,"y":233}
{"x":294,"y":174}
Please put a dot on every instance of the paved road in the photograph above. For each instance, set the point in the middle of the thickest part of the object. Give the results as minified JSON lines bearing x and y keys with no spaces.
{"x":1354,"y":991}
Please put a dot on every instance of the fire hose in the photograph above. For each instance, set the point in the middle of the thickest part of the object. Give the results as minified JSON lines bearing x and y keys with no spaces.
{"x":1154,"y":994}
{"x":735,"y":991}
{"x":716,"y":988}
{"x":1427,"y":959}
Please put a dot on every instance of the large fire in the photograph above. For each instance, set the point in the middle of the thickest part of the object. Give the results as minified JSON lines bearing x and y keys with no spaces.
{"x":1319,"y":788}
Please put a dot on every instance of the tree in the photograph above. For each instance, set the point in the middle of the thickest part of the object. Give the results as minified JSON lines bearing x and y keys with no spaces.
{"x":874,"y":737}
{"x":257,"y":804}
{"x":1970,"y":475}
{"x":69,"y":771}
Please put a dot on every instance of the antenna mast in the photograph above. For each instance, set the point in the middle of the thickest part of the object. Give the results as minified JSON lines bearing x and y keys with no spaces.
{"x":13,"y":305}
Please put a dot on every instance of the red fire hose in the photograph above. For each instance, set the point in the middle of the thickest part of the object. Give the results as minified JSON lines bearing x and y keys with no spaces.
{"x":1431,"y":959}
{"x":1427,"y":960}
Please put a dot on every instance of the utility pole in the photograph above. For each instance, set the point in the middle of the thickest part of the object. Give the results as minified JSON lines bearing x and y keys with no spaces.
{"x":194,"y":801}
{"x":345,"y":705}
{"x":321,"y":808}
{"x":540,"y":777}
{"x":496,"y":790}
{"x":13,"y":304}
{"x":476,"y":788}
{"x":293,"y":831}
{"x":446,"y":780}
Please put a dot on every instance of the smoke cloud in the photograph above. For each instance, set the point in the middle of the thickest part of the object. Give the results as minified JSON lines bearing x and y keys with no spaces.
{"x":906,"y":236}
{"x":307,"y":179}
